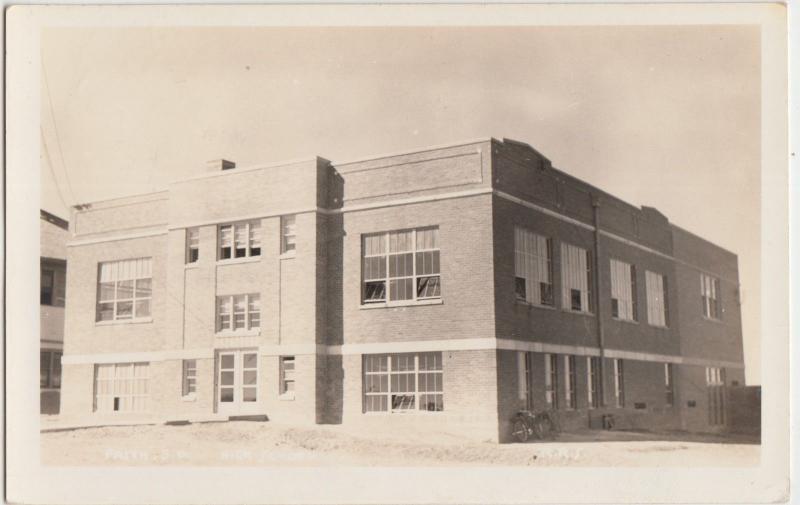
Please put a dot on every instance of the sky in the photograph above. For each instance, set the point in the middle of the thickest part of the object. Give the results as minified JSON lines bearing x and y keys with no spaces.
{"x":664,"y":116}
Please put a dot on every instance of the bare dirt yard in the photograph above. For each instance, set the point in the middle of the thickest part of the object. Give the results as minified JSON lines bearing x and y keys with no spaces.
{"x":267,"y":443}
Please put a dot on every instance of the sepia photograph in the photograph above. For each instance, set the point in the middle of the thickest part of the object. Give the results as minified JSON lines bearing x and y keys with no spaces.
{"x":359,"y":239}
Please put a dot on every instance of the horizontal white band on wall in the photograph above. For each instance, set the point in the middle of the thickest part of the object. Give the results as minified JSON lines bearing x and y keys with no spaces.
{"x":464,"y":344}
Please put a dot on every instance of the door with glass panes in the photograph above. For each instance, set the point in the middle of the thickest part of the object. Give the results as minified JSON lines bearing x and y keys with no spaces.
{"x":237,"y":381}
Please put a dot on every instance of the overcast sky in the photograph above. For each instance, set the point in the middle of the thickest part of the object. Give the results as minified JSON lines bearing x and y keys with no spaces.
{"x":660,"y":116}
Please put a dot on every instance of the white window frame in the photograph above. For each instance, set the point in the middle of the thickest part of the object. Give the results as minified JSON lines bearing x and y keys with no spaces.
{"x":416,"y":372}
{"x":551,"y":380}
{"x":189,"y":378}
{"x":576,"y":274}
{"x":570,"y":379}
{"x":623,"y":290}
{"x":135,"y":270}
{"x":289,"y":234}
{"x":710,"y":297}
{"x":524,"y":379}
{"x":192,"y":245}
{"x":533,"y":266}
{"x":114,"y":382}
{"x":287,"y":376}
{"x":669,"y":384}
{"x":657,"y":299}
{"x":249,"y":314}
{"x":715,"y":376}
{"x":619,"y":383}
{"x":252,"y":233}
{"x":416,"y":275}
{"x":592,"y":382}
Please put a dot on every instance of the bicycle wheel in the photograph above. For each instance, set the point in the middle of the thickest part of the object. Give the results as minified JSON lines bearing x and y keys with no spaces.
{"x":520,"y":430}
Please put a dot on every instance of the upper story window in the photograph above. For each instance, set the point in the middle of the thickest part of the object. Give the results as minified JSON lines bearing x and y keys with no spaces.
{"x":238,"y":312}
{"x":657,"y":308}
{"x":709,"y":291}
{"x":288,"y":233}
{"x":124,"y":290}
{"x":192,"y":245}
{"x":408,"y":261}
{"x":47,"y":286}
{"x":623,"y":291}
{"x":533,"y":259}
{"x":715,"y":376}
{"x":576,"y":278}
{"x":669,"y":385}
{"x":239,"y":240}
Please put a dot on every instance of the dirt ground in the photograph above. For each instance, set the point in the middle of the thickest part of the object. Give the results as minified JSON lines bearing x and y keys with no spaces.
{"x":257,"y":443}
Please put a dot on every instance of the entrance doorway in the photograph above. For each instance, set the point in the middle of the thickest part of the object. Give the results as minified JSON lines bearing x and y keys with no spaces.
{"x":237,"y":381}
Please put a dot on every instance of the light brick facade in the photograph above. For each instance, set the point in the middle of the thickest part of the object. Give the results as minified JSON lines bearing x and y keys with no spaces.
{"x":312,"y":305}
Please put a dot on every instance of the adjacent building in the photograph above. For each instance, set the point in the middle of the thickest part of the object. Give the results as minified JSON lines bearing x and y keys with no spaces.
{"x":52,"y":283}
{"x":446,"y":287}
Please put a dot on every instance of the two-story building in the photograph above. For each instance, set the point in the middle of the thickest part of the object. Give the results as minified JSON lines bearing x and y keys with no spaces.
{"x":447,"y":287}
{"x":53,"y":234}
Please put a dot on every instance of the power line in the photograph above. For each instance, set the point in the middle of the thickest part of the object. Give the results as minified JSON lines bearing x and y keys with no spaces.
{"x":58,"y":137}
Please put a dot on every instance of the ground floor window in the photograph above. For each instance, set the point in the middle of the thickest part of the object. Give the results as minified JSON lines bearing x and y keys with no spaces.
{"x":403,"y":382}
{"x":593,"y":381}
{"x":524,"y":379}
{"x":669,"y":385}
{"x":50,"y":369}
{"x":287,"y":375}
{"x":619,"y":383}
{"x":189,"y":377}
{"x":551,"y":380}
{"x":121,"y":387}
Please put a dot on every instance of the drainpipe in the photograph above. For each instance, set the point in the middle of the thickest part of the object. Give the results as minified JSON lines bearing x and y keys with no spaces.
{"x":596,"y":280}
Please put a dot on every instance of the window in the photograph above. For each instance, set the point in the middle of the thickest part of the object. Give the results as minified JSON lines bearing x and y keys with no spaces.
{"x":121,"y":387}
{"x":715,"y":376}
{"x":576,"y":278}
{"x":619,"y":383}
{"x":287,"y":375}
{"x":524,"y":379}
{"x":709,"y":290}
{"x":551,"y":380}
{"x":593,"y":381}
{"x":239,"y":240}
{"x":623,"y":291}
{"x":50,"y":369}
{"x":189,"y":377}
{"x":192,"y":245}
{"x":124,"y":290}
{"x":569,"y":382}
{"x":657,"y":310}
{"x":238,"y":312}
{"x":403,"y":382}
{"x":288,"y":233}
{"x":408,"y":261}
{"x":533,"y":255}
{"x":46,"y":285}
{"x":669,"y":385}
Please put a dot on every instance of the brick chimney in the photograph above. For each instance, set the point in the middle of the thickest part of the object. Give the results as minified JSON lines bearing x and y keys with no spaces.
{"x":217,"y":165}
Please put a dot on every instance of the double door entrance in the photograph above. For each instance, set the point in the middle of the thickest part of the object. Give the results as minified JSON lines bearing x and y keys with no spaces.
{"x":237,"y":381}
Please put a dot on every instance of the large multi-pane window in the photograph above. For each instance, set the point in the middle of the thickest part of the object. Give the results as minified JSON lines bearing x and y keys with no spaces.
{"x":715,"y":376}
{"x":533,"y":259}
{"x":619,"y":383}
{"x":657,"y":309}
{"x":50,"y":369}
{"x":623,"y":291}
{"x":238,"y":312}
{"x":124,"y":290}
{"x":551,"y":380}
{"x":576,"y":278}
{"x":570,"y":397}
{"x":403,"y":382}
{"x":401,"y":265}
{"x":593,"y":381}
{"x":121,"y":387}
{"x":669,"y":385}
{"x":239,"y":240}
{"x":192,"y":245}
{"x":524,"y":379}
{"x":709,"y":291}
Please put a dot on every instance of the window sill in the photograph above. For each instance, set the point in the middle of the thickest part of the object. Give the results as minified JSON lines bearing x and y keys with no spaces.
{"x":287,"y":255}
{"x":712,"y":320}
{"x":189,"y":398}
{"x":236,"y":261}
{"x":658,"y":326}
{"x":578,"y":312}
{"x":141,"y":320}
{"x":286,"y":397}
{"x":238,"y":333}
{"x":535,"y":305}
{"x":189,"y":266}
{"x":629,"y":321}
{"x":405,"y":303}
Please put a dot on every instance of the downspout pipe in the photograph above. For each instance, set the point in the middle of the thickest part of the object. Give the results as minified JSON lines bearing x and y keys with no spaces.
{"x":596,"y":295}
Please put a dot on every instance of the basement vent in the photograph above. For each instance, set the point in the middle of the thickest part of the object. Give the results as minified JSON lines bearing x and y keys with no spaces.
{"x":640,"y":406}
{"x":691,"y":404}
